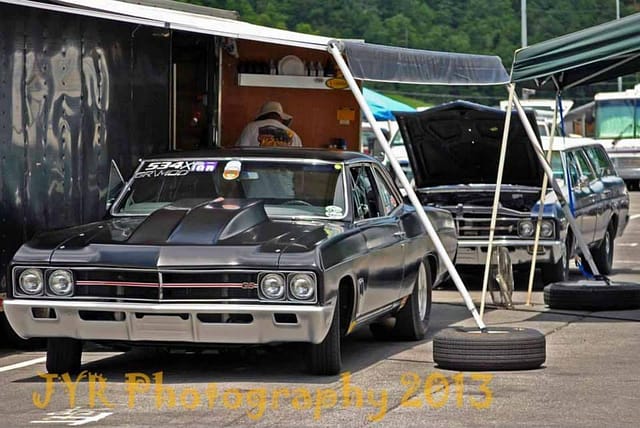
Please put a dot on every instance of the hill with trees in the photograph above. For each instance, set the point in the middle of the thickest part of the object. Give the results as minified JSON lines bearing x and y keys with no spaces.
{"x":472,"y":26}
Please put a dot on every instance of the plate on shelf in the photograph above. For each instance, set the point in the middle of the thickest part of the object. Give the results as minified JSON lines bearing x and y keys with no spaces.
{"x":291,"y":65}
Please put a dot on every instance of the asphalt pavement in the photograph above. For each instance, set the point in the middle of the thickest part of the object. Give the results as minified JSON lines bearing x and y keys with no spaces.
{"x":591,"y":377}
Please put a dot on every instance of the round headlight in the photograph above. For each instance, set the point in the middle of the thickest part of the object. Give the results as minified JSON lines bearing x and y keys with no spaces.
{"x":525,"y":228}
{"x":31,"y":281}
{"x":61,"y":282}
{"x":546,"y":229}
{"x":272,"y":286}
{"x":302,"y":286}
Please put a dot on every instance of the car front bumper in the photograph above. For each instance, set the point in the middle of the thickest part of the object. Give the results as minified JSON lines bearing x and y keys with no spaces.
{"x":474,"y":252}
{"x":151,"y":322}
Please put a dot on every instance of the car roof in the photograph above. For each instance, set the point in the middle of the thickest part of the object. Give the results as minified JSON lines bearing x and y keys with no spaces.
{"x":257,"y":152}
{"x":567,"y":143}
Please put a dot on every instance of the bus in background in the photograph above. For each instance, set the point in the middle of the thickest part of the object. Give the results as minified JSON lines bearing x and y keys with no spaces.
{"x":617,"y":128}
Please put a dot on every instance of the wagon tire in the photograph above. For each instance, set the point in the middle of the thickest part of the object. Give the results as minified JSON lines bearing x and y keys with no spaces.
{"x":63,"y":355}
{"x":603,"y":253}
{"x":592,"y":296}
{"x":498,"y":348}
{"x":325,"y":358}
{"x":559,"y":271}
{"x":412,"y":320}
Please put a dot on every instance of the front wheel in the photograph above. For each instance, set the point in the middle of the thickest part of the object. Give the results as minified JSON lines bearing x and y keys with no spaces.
{"x":559,"y":271}
{"x":325,"y":358}
{"x":63,"y":355}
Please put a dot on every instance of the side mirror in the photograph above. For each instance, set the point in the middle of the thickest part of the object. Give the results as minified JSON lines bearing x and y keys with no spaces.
{"x":116,"y":184}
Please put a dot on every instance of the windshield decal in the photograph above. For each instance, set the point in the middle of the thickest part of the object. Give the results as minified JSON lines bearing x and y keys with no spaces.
{"x":174,"y":169}
{"x":333,"y":211}
{"x":232,"y":170}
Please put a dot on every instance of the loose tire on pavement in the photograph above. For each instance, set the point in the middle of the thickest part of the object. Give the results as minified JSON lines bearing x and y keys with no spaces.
{"x":325,"y":358}
{"x":592,"y":296}
{"x":499,"y":348}
{"x":63,"y":355}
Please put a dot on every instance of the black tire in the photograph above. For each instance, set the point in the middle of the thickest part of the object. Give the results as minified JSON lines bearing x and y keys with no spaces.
{"x":412,"y":320}
{"x":592,"y":296}
{"x":325,"y":358}
{"x":63,"y":355}
{"x":557,"y":272}
{"x":499,"y":348}
{"x":603,"y":253}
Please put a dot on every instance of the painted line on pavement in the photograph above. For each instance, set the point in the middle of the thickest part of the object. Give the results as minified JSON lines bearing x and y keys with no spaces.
{"x":23,"y":364}
{"x":635,"y":216}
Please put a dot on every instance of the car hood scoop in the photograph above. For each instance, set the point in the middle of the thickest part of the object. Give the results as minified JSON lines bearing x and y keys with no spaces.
{"x":459,"y":143}
{"x":190,"y":223}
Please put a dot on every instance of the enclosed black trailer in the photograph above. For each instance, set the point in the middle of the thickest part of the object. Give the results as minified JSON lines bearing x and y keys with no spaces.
{"x":84,"y":90}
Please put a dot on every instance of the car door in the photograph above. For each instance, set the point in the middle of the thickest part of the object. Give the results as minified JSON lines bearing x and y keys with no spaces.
{"x":612,"y":192}
{"x":384,"y":238}
{"x":585,"y":193}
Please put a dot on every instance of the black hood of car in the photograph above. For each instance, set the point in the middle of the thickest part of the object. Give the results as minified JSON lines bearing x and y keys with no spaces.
{"x":187,"y":233}
{"x":459,"y":143}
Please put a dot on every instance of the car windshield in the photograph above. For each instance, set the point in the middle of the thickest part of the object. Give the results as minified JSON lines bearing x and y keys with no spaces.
{"x":288,"y":188}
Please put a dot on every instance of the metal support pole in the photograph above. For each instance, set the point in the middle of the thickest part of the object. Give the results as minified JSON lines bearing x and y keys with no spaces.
{"x":442,"y":252}
{"x":496,"y":196}
{"x":556,"y":187}
{"x":523,"y":23}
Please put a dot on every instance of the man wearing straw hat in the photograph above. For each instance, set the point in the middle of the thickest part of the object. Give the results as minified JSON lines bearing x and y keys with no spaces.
{"x":269,"y":129}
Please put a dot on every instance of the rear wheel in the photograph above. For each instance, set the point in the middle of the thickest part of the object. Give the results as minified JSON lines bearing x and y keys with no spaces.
{"x":603,"y":253}
{"x":325,"y":358}
{"x":413,"y":319}
{"x":63,"y":355}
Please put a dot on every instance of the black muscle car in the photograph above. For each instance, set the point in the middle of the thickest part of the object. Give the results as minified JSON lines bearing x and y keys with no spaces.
{"x":238,"y":246}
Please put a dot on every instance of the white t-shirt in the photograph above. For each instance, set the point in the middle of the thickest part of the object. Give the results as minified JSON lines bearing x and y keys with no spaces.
{"x":268,"y":133}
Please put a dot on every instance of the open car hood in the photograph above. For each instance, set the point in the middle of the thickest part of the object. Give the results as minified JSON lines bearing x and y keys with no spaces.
{"x":459,"y":143}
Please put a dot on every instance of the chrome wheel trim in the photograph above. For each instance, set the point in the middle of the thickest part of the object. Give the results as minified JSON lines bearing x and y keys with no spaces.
{"x":607,"y":246}
{"x":565,"y":262}
{"x":423,"y":292}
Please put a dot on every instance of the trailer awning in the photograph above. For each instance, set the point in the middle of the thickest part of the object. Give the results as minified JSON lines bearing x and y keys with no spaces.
{"x":367,"y":61}
{"x":597,"y":53}
{"x":179,"y":20}
{"x":393,"y":64}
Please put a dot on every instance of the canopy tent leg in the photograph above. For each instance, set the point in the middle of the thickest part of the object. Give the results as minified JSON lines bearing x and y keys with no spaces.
{"x":496,"y":198}
{"x":335,"y":51}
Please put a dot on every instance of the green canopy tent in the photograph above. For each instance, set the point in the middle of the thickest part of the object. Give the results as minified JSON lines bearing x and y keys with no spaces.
{"x":591,"y":55}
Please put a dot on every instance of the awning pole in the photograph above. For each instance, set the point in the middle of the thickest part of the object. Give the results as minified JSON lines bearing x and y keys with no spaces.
{"x":556,"y":187}
{"x":442,"y":252}
{"x":496,"y":197}
{"x":543,"y":193}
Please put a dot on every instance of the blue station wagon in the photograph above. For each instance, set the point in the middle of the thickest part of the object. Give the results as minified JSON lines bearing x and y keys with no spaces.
{"x":454,"y":150}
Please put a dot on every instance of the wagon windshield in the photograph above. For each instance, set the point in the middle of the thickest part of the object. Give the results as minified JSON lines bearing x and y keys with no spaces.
{"x":288,"y":188}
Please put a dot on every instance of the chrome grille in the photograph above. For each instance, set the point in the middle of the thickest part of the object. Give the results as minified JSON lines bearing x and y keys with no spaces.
{"x":165,"y":286}
{"x":470,"y":226}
